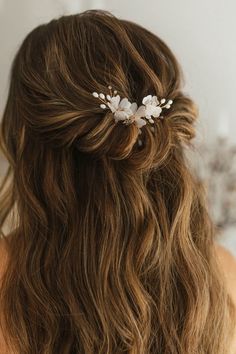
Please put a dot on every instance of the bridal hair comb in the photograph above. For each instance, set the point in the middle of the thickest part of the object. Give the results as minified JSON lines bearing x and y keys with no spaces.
{"x":128,"y":112}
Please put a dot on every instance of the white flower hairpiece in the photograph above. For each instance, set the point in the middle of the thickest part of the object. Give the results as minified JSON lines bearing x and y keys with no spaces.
{"x":128,"y":112}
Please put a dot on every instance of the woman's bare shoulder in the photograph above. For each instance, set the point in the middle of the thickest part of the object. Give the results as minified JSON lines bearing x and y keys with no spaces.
{"x":226,"y":258}
{"x":227,"y":262}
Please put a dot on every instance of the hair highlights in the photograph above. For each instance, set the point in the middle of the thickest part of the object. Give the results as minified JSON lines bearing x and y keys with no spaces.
{"x":113,"y":249}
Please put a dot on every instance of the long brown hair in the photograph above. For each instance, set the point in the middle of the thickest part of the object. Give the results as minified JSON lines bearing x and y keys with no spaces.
{"x":112,"y":250}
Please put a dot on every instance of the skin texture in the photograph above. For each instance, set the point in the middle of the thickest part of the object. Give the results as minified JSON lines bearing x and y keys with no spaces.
{"x":227,"y":263}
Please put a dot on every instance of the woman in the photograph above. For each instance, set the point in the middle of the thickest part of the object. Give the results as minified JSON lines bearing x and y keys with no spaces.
{"x":113,"y":249}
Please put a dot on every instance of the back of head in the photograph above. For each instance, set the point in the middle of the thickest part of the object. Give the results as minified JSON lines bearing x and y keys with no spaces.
{"x":113,"y":250}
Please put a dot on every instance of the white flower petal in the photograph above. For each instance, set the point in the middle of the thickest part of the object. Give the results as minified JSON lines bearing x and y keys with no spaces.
{"x":149,"y":110}
{"x":121,"y":115}
{"x":124,"y":103}
{"x":157,"y":111}
{"x":147,"y":99}
{"x":141,"y":112}
{"x":133,"y":107}
{"x":155,"y":101}
{"x":114,"y":103}
{"x":140,"y":122}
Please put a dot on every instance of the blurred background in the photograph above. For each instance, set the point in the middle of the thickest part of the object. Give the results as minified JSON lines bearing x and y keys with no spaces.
{"x":202,"y":35}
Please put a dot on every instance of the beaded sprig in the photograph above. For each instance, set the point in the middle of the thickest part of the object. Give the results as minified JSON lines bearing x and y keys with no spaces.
{"x":128,"y":112}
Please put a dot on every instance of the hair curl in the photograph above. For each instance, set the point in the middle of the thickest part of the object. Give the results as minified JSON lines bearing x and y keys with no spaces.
{"x":113,"y":246}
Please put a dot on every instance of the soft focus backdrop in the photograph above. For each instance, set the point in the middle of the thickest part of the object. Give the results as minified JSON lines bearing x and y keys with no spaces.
{"x":202,"y":35}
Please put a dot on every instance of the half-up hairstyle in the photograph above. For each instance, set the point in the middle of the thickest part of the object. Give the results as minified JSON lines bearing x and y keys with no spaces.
{"x":113,"y":248}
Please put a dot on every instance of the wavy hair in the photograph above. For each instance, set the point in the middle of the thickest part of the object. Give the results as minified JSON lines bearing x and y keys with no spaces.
{"x":113,"y":247}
